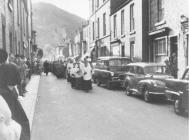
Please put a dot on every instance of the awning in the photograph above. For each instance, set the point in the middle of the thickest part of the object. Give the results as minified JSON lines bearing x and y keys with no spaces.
{"x":158,"y":31}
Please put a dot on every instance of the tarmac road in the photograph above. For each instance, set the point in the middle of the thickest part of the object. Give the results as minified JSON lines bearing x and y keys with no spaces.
{"x":63,"y":113}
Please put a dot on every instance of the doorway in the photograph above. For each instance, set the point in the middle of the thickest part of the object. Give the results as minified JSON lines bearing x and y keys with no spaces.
{"x":173,"y":45}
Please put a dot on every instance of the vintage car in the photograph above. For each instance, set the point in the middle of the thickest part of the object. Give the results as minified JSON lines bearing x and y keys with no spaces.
{"x":146,"y":79}
{"x":177,"y":91}
{"x":109,"y":70}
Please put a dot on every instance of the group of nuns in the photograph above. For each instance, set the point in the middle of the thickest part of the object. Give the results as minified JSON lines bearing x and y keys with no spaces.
{"x":79,"y":74}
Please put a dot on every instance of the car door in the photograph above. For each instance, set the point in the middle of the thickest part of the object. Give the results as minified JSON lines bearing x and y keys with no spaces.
{"x":105,"y":72}
{"x":130,"y":76}
{"x":139,"y":76}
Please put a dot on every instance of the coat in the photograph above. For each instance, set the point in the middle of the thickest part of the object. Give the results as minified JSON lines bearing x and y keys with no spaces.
{"x":18,"y":113}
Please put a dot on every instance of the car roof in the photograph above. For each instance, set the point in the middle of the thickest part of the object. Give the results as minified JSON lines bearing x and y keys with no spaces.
{"x":145,"y":64}
{"x":112,"y":57}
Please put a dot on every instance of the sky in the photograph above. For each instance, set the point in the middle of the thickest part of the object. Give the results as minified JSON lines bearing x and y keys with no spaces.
{"x":77,"y":7}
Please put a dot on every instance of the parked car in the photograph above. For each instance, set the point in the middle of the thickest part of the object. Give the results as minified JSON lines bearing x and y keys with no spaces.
{"x":109,"y":71}
{"x":146,"y":79}
{"x":177,"y":91}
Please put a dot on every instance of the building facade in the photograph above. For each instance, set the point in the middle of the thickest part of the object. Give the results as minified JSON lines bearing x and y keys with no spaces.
{"x":168,"y":31}
{"x":16,"y":26}
{"x":99,"y":21}
{"x":129,"y":28}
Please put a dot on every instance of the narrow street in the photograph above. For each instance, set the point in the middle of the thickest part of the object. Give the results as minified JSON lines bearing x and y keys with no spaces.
{"x":63,"y":113}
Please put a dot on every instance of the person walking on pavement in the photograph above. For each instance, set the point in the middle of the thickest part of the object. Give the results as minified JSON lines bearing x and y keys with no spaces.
{"x":9,"y":78}
{"x":69,"y":67}
{"x":87,"y":76}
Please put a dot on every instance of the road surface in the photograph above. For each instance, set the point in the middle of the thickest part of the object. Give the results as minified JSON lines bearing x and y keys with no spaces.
{"x":63,"y":113}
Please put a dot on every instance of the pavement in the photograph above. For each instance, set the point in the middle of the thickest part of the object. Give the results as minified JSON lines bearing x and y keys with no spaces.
{"x":29,"y":100}
{"x":63,"y":113}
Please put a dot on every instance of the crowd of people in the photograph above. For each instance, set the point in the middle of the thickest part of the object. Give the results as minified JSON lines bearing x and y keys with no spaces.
{"x":79,"y":74}
{"x":14,"y":71}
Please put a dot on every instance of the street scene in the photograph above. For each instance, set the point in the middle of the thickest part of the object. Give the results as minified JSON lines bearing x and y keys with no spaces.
{"x":94,"y":70}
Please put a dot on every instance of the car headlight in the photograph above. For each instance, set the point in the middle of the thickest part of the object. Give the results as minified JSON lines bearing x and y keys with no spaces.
{"x":158,"y":84}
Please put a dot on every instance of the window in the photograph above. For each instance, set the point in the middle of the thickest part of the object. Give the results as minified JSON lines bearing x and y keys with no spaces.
{"x":115,"y":26}
{"x":104,"y":24}
{"x":92,"y":6}
{"x":18,"y":12}
{"x":4,"y":36}
{"x":97,"y":3}
{"x":122,"y":22}
{"x":160,"y":10}
{"x":132,"y":45}
{"x":11,"y":43}
{"x":160,"y":49}
{"x":93,"y":31}
{"x":132,"y":20}
{"x":98,"y":27}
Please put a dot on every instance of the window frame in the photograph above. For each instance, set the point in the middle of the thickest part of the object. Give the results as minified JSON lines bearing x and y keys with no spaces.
{"x":104,"y":24}
{"x":122,"y":22}
{"x":115,"y":25}
{"x":132,"y":19}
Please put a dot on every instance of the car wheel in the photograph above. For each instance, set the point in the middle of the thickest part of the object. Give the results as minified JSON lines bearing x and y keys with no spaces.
{"x":128,"y":91}
{"x":177,"y":107}
{"x":146,"y":95}
{"x":108,"y":84}
{"x":98,"y":82}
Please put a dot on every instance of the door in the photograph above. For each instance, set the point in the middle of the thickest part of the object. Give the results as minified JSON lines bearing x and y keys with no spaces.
{"x":174,"y":49}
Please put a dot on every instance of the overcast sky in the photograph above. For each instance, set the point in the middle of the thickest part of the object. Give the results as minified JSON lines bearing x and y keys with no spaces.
{"x":78,"y":7}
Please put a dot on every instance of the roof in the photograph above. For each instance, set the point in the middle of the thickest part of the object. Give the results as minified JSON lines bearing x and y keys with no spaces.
{"x":112,"y":57}
{"x":145,"y":64}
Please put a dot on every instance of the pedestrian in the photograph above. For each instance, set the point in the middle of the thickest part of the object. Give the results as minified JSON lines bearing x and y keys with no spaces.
{"x":79,"y":76}
{"x":46,"y":67}
{"x":69,"y":67}
{"x":87,"y":76}
{"x":9,"y":129}
{"x":73,"y":73}
{"x":9,"y":78}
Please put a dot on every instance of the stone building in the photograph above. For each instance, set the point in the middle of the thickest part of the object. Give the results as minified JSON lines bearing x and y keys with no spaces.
{"x":168,"y":31}
{"x":129,"y":28}
{"x":16,"y":26}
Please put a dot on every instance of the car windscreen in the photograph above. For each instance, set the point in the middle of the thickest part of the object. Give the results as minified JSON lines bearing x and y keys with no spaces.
{"x":186,"y":75}
{"x":155,"y":70}
{"x":118,"y":64}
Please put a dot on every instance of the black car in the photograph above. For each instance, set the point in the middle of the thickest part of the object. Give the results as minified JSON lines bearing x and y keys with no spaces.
{"x":146,"y":79}
{"x":110,"y":71}
{"x":177,"y":91}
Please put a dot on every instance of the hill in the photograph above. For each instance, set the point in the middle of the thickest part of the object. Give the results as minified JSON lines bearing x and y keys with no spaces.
{"x":53,"y":24}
